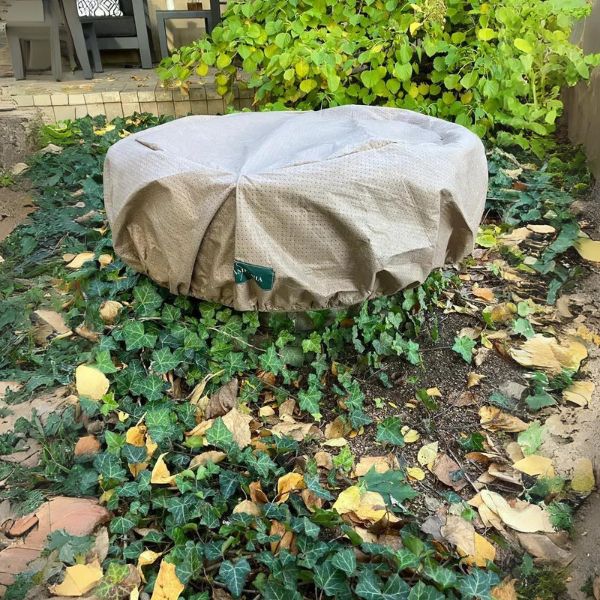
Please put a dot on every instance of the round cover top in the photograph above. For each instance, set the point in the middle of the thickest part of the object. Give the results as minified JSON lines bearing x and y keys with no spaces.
{"x":295,"y":210}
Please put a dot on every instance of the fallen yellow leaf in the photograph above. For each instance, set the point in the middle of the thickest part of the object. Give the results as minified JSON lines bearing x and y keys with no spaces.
{"x":91,"y":382}
{"x":583,"y":480}
{"x":469,"y":544}
{"x":580,"y":392}
{"x":291,"y":482}
{"x":535,"y":465}
{"x":381,"y":464}
{"x":505,"y":591}
{"x":248,"y":507}
{"x":79,"y":580}
{"x":105,"y":260}
{"x":484,"y":294}
{"x":427,"y":454}
{"x":588,"y":249}
{"x":411,"y":436}
{"x":239,"y":425}
{"x":167,"y":585}
{"x":547,"y":353}
{"x":541,"y":228}
{"x":415,"y":473}
{"x":160,"y":473}
{"x":80,"y":259}
{"x":212,"y":456}
{"x":348,"y":500}
{"x":147,"y":557}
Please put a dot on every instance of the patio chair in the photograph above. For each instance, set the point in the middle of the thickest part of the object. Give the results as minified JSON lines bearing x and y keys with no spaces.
{"x":127,"y":31}
{"x":45,"y":24}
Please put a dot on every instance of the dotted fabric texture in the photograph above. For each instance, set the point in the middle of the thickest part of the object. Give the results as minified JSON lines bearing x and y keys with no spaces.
{"x":334,"y":206}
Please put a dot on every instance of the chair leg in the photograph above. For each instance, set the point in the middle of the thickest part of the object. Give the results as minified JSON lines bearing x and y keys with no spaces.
{"x":16,"y":54}
{"x":139,"y":15}
{"x":161,"y":25}
{"x":55,"y":55}
{"x":74,"y":25}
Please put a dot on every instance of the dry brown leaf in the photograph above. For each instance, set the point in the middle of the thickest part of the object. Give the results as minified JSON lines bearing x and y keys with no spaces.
{"x":474,"y":547}
{"x":160,"y":473}
{"x":580,"y":392}
{"x":543,"y":549}
{"x":544,"y":229}
{"x":514,"y":451}
{"x":78,"y":580}
{"x":324,"y":460}
{"x":338,"y":428}
{"x":505,"y":591}
{"x":256,"y":493}
{"x":52,"y":318}
{"x":548,"y":354}
{"x":500,"y":313}
{"x":381,"y":464}
{"x":210,"y":456}
{"x":248,"y":507}
{"x":266,"y":411}
{"x":297,"y":431}
{"x":535,"y":465}
{"x":91,"y":382}
{"x":521,"y":516}
{"x":494,"y":419}
{"x":583,"y":480}
{"x":88,"y":444}
{"x":288,"y":483}
{"x":311,"y":500}
{"x":222,"y":401}
{"x":109,"y":311}
{"x":474,"y":379}
{"x":167,"y":585}
{"x":448,"y":472}
{"x":239,"y":425}
{"x":87,"y":334}
{"x":335,"y":442}
{"x":484,"y":293}
{"x":200,"y":429}
{"x":287,"y":541}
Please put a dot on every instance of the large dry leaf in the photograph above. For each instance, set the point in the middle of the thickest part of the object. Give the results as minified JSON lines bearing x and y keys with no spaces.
{"x":535,"y":465}
{"x":160,"y":473}
{"x":239,"y":425}
{"x":338,"y":428}
{"x":548,"y":354}
{"x":415,"y":473}
{"x":91,"y":382}
{"x":79,"y":580}
{"x":580,"y":392}
{"x":288,"y":483}
{"x":588,"y":249}
{"x":484,"y":294}
{"x":583,"y":480}
{"x":52,"y":318}
{"x":296,"y":431}
{"x":523,"y":517}
{"x":86,"y":445}
{"x":167,"y":585}
{"x":248,"y":507}
{"x":200,"y":429}
{"x":256,"y":493}
{"x":494,"y":419}
{"x":544,"y":550}
{"x":287,"y":541}
{"x":366,"y":506}
{"x":222,"y":401}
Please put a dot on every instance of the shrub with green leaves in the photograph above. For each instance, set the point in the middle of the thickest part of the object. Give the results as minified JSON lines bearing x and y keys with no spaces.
{"x":496,"y":67}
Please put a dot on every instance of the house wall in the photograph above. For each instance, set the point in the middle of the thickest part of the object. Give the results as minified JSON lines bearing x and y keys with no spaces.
{"x":583,"y":101}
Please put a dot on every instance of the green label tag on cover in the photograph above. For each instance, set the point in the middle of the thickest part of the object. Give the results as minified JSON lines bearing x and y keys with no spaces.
{"x":264,"y":276}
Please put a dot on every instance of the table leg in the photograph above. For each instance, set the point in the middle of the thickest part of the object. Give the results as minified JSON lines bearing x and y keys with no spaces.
{"x":74,"y":25}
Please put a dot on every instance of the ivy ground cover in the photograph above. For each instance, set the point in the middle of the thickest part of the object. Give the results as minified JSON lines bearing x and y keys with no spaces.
{"x":384,"y":452}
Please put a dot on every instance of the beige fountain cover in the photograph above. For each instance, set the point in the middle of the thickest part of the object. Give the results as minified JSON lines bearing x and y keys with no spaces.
{"x":295,"y":210}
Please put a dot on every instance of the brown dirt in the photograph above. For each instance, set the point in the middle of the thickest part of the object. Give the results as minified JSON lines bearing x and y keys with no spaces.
{"x":14,"y":208}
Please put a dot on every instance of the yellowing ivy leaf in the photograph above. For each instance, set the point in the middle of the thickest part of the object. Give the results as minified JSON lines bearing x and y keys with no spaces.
{"x":415,"y":473}
{"x":109,"y":311}
{"x":160,"y":473}
{"x":167,"y":585}
{"x":91,"y":382}
{"x":79,"y":580}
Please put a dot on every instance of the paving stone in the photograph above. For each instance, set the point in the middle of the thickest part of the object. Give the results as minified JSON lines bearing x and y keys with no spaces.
{"x":129,"y":97}
{"x":130,"y":107}
{"x":96,"y":109}
{"x":165,"y":108}
{"x":75,"y":99}
{"x":215,"y":107}
{"x":113,"y":110}
{"x":59,"y":99}
{"x":24,"y":100}
{"x":111,"y":97}
{"x":93,"y":98}
{"x":42,"y":100}
{"x":146,"y":96}
{"x":199,"y":107}
{"x":62,"y":113}
{"x":182,"y":109}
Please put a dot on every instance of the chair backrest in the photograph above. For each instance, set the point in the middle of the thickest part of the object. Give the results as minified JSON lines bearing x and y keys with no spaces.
{"x":126,"y":7}
{"x":99,"y":8}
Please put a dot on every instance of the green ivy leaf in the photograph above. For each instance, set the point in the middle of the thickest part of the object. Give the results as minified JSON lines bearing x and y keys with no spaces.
{"x":390,"y":485}
{"x":164,"y":360}
{"x":329,"y":579}
{"x":218,"y":435}
{"x":478,"y":584}
{"x":464,"y":346}
{"x":531,"y":439}
{"x":345,"y":560}
{"x":147,"y":300}
{"x":234,"y":575}
{"x":388,"y":431}
{"x":135,"y":336}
